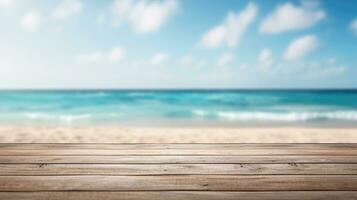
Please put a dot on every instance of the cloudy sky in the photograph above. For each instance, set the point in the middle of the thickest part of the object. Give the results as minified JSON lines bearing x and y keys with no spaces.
{"x":178,"y":44}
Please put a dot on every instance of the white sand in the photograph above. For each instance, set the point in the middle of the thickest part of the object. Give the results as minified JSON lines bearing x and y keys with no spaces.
{"x":103,"y":134}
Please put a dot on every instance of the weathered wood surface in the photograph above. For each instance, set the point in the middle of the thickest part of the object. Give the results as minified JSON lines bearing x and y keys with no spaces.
{"x":173,"y":152}
{"x":222,"y":159}
{"x":181,"y":195}
{"x":178,"y":171}
{"x":180,"y":182}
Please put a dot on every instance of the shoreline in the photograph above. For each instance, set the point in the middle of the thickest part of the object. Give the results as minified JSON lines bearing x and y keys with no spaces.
{"x":126,"y":134}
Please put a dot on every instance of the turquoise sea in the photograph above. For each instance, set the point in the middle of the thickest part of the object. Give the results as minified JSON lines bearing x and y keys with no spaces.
{"x":236,"y":107}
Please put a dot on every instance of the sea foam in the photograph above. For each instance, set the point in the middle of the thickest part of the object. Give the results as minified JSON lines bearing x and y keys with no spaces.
{"x":60,"y":117}
{"x":289,"y":117}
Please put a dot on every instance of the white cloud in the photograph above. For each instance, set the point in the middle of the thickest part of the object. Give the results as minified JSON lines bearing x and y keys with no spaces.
{"x":144,"y":16}
{"x":232,"y":28}
{"x":300,"y":47}
{"x":67,"y":8}
{"x":288,"y":17}
{"x":266,"y":57}
{"x":114,"y":55}
{"x":225,"y":59}
{"x":215,"y":37}
{"x":353,"y":26}
{"x":31,"y":21}
{"x":159,"y":58}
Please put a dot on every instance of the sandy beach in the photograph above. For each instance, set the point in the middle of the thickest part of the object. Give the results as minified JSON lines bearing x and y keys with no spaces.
{"x":108,"y":134}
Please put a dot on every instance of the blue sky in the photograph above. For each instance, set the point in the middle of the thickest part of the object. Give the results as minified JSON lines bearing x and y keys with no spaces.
{"x":178,"y":44}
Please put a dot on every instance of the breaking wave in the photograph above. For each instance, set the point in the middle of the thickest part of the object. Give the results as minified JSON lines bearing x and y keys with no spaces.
{"x":274,"y":116}
{"x":64,"y":118}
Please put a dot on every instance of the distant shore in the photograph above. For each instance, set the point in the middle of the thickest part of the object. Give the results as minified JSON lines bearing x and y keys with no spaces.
{"x":111,"y":134}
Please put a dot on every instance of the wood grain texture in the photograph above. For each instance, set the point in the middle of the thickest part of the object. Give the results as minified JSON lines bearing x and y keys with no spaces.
{"x":100,"y":152}
{"x":222,"y":159}
{"x":178,"y":171}
{"x":181,"y":195}
{"x":175,"y":169}
{"x":176,"y":145}
{"x":181,"y":182}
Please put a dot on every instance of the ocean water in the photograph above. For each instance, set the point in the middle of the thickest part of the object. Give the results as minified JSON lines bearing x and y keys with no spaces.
{"x":235,"y":107}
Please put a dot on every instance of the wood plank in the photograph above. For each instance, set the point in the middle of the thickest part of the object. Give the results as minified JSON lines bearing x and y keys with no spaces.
{"x":180,"y":195}
{"x":99,"y":152}
{"x":180,"y":183}
{"x":189,"y":146}
{"x":174,"y":169}
{"x":178,"y":171}
{"x":281,"y":159}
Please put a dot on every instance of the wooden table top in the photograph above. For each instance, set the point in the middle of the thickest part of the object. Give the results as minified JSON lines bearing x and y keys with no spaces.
{"x":178,"y":171}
